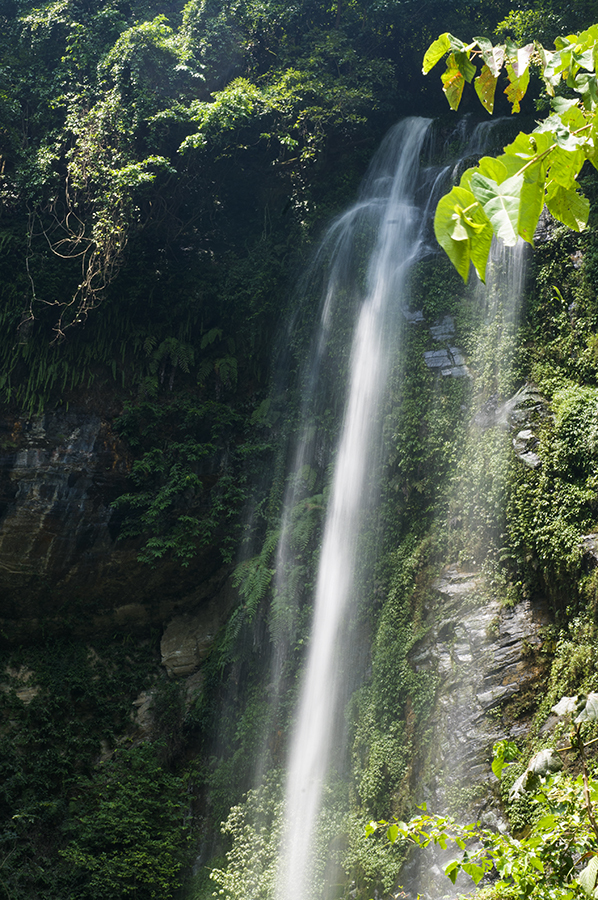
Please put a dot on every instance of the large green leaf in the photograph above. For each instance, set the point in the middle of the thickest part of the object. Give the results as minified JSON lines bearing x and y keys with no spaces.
{"x":564,"y":706}
{"x":568,"y":206}
{"x":532,"y":201}
{"x":545,"y":762}
{"x":500,"y":203}
{"x":480,"y":243}
{"x":436,"y":51}
{"x":493,"y":57}
{"x":589,"y":713}
{"x":565,"y":166}
{"x":466,"y":67}
{"x":463,"y":231}
{"x":493,"y":168}
{"x":447,"y":222}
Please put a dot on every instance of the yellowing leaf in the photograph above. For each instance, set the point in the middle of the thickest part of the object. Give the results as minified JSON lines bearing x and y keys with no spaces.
{"x":452,"y":82}
{"x":435,"y":52}
{"x":485,"y":88}
{"x":515,"y":91}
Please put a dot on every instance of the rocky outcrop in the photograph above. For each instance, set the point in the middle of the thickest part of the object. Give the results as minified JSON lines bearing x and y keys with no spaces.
{"x":490,"y":670}
{"x":188,"y":638}
{"x":449,"y":360}
{"x":61,"y":566}
{"x":487,"y":660}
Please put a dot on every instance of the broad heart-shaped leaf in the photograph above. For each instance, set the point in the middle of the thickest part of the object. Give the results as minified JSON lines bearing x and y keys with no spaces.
{"x":500,"y":203}
{"x":458,"y":251}
{"x":589,"y":713}
{"x":436,"y":51}
{"x":463,"y":231}
{"x":564,"y":706}
{"x":515,"y":91}
{"x":568,"y":206}
{"x":587,"y":877}
{"x":485,"y":88}
{"x":452,"y":82}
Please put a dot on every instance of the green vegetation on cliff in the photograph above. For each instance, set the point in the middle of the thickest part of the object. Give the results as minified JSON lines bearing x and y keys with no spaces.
{"x":165,"y":170}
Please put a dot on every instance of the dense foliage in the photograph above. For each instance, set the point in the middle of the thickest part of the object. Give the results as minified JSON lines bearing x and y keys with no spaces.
{"x":165,"y":168}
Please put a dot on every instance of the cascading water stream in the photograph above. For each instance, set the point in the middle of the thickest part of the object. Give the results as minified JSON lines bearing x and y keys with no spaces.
{"x":368,"y":254}
{"x":389,"y":193}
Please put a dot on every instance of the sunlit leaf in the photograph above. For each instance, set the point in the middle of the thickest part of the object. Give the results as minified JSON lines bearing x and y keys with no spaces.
{"x":589,"y":713}
{"x":435,"y":52}
{"x":516,"y":88}
{"x":452,"y":82}
{"x":392,"y":833}
{"x":466,"y":67}
{"x":532,"y":201}
{"x":485,"y":88}
{"x":452,"y":870}
{"x":475,"y":872}
{"x":500,"y":203}
{"x":565,"y":165}
{"x":444,"y":226}
{"x":545,"y":762}
{"x":587,"y":877}
{"x":568,"y":206}
{"x":493,"y":57}
{"x":586,"y":85}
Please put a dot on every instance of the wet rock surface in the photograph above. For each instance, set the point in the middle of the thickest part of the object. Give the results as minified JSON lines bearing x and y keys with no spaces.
{"x":484,"y":655}
{"x":489,"y":667}
{"x":449,"y":361}
{"x":61,"y":566}
{"x":188,"y":638}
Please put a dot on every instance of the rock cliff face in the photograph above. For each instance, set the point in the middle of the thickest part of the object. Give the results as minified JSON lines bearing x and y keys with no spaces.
{"x":61,"y":565}
{"x":489,"y":663}
{"x":490,"y":668}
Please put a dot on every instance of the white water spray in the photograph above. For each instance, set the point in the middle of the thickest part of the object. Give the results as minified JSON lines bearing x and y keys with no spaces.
{"x":389,"y":193}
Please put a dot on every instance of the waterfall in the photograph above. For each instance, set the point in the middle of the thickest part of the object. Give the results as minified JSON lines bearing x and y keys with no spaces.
{"x":388,"y":203}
